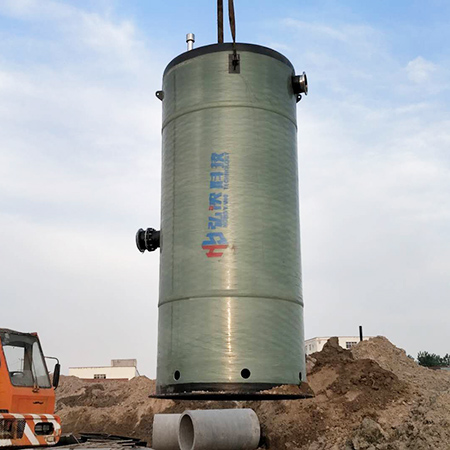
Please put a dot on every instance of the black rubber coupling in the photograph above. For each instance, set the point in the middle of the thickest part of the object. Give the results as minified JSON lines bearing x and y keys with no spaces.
{"x":148,"y":239}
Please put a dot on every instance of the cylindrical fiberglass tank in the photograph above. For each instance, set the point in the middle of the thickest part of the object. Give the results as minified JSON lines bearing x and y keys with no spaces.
{"x":230,"y":309}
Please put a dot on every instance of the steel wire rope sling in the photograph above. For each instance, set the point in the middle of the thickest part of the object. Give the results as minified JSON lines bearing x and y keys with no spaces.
{"x":220,"y":21}
{"x":234,"y":58}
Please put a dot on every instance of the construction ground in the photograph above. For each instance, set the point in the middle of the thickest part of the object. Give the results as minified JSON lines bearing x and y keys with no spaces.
{"x":373,"y":397}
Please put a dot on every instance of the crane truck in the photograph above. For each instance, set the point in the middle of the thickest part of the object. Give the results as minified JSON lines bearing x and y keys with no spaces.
{"x":27,"y":395}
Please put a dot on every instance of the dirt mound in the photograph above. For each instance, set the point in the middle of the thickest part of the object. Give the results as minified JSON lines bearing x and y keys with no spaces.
{"x":422,"y":422}
{"x":386,"y":355}
{"x":70,"y":386}
{"x":395,"y":360}
{"x":373,"y":398}
{"x":355,"y":384}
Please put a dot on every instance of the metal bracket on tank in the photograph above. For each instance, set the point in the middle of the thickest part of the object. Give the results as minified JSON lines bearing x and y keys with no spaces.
{"x":234,"y":63}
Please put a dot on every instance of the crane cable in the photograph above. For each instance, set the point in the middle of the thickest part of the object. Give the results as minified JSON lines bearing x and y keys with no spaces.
{"x":220,"y":21}
{"x":232,"y":19}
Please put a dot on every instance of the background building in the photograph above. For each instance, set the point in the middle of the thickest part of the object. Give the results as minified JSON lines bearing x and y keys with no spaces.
{"x":316,"y":344}
{"x":120,"y":369}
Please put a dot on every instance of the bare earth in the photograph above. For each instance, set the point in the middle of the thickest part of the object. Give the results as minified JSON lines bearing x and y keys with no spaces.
{"x":370,"y":398}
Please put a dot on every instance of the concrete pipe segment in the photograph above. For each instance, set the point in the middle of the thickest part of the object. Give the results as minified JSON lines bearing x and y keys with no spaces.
{"x":165,"y":431}
{"x":219,"y":429}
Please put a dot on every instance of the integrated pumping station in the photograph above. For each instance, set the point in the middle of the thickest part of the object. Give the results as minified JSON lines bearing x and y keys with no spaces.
{"x":230,"y":297}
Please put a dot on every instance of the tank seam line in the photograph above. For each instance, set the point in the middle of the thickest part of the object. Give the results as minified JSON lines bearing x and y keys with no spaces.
{"x":165,"y":124}
{"x":228,"y":296}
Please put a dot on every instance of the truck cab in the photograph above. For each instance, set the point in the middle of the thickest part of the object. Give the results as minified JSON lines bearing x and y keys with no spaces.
{"x":27,"y":397}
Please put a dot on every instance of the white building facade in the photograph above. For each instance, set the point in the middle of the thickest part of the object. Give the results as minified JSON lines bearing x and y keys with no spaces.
{"x":316,"y":344}
{"x":120,"y":369}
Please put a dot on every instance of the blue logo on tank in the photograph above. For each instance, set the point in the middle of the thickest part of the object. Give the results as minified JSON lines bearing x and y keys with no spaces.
{"x":216,"y":241}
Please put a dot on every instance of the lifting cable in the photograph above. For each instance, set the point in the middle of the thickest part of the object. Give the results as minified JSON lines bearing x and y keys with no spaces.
{"x":234,"y":59}
{"x":232,"y":19}
{"x":220,"y":21}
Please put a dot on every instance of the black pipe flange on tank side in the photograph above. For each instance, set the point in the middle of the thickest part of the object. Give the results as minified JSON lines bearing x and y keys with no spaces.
{"x":300,"y":85}
{"x":148,"y":239}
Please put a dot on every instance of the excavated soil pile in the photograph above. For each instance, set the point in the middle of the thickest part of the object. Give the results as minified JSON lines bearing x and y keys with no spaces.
{"x":371,"y":398}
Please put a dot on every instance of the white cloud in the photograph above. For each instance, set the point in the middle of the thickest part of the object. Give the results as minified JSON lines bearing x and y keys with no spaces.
{"x":37,"y":10}
{"x":79,"y":173}
{"x":420,"y":70}
{"x":375,"y":190}
{"x":318,"y":29}
{"x":79,"y":158}
{"x":344,"y":39}
{"x":375,"y":187}
{"x":85,"y":290}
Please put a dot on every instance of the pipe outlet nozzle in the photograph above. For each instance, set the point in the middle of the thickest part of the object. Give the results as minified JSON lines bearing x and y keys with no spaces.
{"x":300,"y":84}
{"x":148,"y":239}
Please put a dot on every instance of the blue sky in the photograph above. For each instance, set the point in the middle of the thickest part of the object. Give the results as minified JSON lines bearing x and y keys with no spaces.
{"x":80,"y":165}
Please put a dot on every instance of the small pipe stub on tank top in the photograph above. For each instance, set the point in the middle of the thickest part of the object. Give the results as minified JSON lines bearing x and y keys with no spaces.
{"x":190,"y":40}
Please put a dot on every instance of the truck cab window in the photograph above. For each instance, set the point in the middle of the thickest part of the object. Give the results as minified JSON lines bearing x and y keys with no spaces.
{"x":25,"y":361}
{"x":18,"y":366}
{"x":39,"y":367}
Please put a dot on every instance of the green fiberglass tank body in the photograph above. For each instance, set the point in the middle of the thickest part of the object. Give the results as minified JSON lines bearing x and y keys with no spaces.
{"x":230,"y":309}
